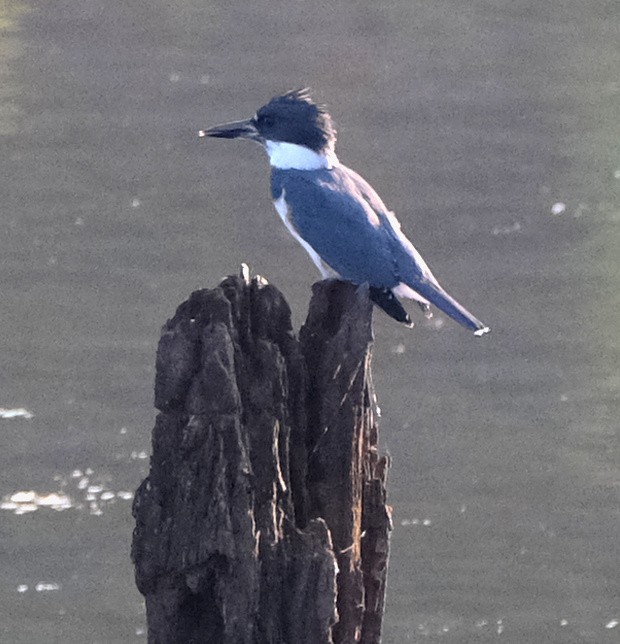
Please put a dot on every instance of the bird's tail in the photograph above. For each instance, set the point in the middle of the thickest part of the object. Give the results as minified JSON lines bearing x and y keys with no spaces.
{"x":446,"y":303}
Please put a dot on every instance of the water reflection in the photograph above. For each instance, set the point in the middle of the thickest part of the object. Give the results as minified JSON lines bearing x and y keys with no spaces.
{"x":16,"y":412}
{"x":11,"y":49}
{"x":76,"y":491}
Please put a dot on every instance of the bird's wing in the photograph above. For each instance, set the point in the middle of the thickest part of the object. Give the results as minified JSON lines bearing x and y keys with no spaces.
{"x":412,"y":270}
{"x":408,"y":260}
{"x":343,"y":219}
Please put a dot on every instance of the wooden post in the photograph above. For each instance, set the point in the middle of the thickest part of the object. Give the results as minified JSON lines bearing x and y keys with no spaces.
{"x":263,"y":517}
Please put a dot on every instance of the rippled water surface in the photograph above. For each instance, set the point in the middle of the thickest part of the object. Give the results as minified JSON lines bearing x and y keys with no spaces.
{"x":491,"y":128}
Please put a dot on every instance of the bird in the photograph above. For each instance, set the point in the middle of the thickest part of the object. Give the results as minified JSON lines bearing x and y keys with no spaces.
{"x":336,"y":216}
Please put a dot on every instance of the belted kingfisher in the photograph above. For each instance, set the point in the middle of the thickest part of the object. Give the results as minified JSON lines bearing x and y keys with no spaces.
{"x":334,"y":213}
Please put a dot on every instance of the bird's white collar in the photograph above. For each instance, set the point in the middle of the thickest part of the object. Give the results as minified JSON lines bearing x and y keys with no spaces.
{"x":290,"y":156}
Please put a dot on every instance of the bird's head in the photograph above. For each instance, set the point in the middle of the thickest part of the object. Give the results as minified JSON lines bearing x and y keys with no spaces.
{"x":292,"y":118}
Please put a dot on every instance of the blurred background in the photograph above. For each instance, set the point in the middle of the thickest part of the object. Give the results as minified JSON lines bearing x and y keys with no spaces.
{"x":491,"y":128}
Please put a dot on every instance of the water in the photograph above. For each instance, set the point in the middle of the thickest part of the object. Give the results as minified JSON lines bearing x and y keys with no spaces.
{"x":491,"y":129}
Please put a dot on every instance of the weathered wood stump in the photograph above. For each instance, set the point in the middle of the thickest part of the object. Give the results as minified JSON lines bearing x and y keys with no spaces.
{"x":263,"y":518}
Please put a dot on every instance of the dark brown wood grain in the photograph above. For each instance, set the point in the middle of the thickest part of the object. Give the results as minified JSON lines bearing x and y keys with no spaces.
{"x":263,"y":519}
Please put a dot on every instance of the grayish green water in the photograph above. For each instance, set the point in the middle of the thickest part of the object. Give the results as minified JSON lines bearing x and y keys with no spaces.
{"x":476,"y":122}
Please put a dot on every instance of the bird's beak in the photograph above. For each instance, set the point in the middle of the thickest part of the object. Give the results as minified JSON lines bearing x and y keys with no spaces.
{"x":235,"y":130}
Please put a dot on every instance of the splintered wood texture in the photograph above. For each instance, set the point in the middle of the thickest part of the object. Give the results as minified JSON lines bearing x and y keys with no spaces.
{"x":263,"y":518}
